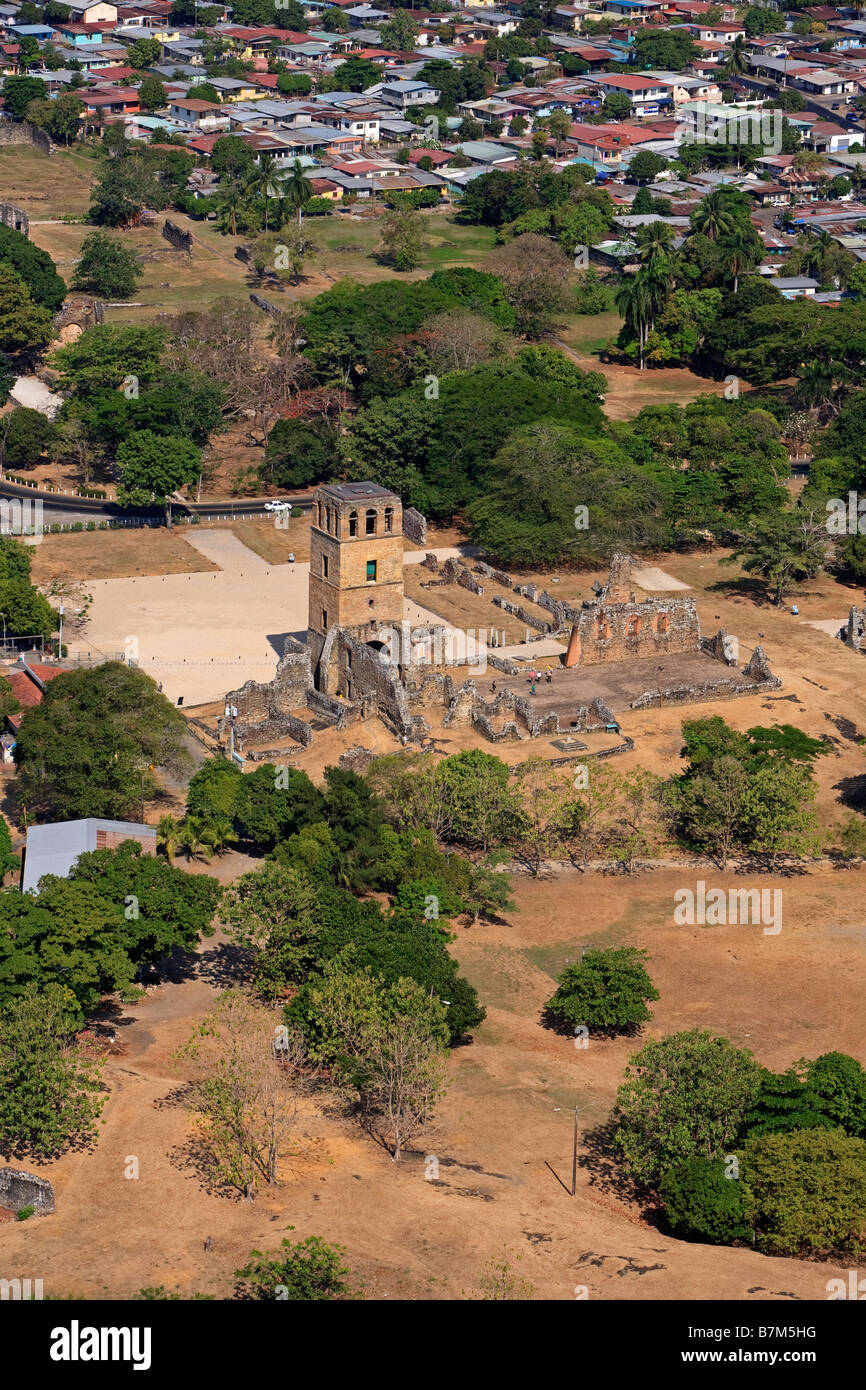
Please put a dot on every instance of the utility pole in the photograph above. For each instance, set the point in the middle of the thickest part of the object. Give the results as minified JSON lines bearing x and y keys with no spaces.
{"x":60,"y":644}
{"x":574,"y":1155}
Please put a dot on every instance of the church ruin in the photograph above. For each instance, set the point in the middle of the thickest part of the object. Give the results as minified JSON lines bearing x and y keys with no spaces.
{"x":361,"y":658}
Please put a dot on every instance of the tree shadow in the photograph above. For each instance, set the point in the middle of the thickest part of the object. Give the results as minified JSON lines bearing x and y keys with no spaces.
{"x":602,"y":1161}
{"x":743,"y":587}
{"x":196,"y":1157}
{"x":176,"y":1099}
{"x":852,"y":792}
{"x":221,"y":965}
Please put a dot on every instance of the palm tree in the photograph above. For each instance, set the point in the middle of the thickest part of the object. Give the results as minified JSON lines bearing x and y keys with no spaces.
{"x":738,"y":58}
{"x":654,"y":240}
{"x":261,"y":181}
{"x":713,"y":217}
{"x":218,"y":834}
{"x":297,"y":189}
{"x":634,"y":302}
{"x":819,"y":385}
{"x":168,"y":836}
{"x":231,"y":199}
{"x":739,"y":249}
{"x":194,"y":838}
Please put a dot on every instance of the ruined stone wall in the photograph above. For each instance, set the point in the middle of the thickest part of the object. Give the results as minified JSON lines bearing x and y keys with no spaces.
{"x":181,"y":240}
{"x":23,"y":133}
{"x":488,"y":572}
{"x":855,"y":631}
{"x":21,"y":1189}
{"x":414,"y":526}
{"x":518,"y":611}
{"x":264,"y":707}
{"x":628,"y":631}
{"x":16,"y":218}
{"x":82,"y":310}
{"x":372,"y":675}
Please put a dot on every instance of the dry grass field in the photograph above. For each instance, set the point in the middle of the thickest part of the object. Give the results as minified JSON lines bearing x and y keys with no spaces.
{"x":507,"y":1116}
{"x":83,"y":555}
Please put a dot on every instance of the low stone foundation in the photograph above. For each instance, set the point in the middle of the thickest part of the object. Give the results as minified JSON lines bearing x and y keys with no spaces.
{"x":19,"y":1189}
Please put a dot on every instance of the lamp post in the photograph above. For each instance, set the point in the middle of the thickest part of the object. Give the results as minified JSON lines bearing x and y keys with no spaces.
{"x":3,"y":616}
{"x":61,"y":610}
{"x":574,"y":1155}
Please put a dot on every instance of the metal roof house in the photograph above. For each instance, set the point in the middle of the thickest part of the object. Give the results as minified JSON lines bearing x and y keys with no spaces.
{"x":54,"y":849}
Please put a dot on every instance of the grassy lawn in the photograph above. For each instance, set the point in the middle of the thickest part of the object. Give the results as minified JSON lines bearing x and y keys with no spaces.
{"x":589,"y":333}
{"x":46,"y":185}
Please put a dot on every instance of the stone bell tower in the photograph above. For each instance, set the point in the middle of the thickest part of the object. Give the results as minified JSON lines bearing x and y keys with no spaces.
{"x":356,"y":574}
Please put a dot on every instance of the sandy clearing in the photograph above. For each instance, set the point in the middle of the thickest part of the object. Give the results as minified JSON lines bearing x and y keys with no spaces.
{"x":650,"y":577}
{"x":828,"y":625}
{"x":226,"y":550}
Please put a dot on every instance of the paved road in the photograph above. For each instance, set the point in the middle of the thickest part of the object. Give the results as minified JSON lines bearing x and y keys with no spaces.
{"x":60,"y":507}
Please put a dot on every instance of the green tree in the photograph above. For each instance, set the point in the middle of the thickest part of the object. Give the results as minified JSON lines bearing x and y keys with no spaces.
{"x":204,"y":91}
{"x":60,"y":117}
{"x":126,"y":186}
{"x":605,"y":991}
{"x":153,"y":468}
{"x":402,"y":238}
{"x":304,"y":1271}
{"x":273,"y":803}
{"x":48,"y":1091}
{"x":357,"y":74}
{"x":88,"y":747}
{"x":25,"y":437}
{"x":35,"y":267}
{"x":297,"y":189}
{"x":143,"y":53}
{"x":27,"y":613}
{"x":714,"y":217}
{"x":107,"y":267}
{"x":805,"y":1192}
{"x":702,"y":1202}
{"x":24,"y":326}
{"x":559,"y":125}
{"x":300,"y":453}
{"x":645,"y":166}
{"x":398,"y":33}
{"x":388,"y":1042}
{"x":783,"y":548}
{"x":151,"y":93}
{"x":616,"y":107}
{"x":684,"y":1096}
{"x":8,"y":860}
{"x":272,"y":913}
{"x":232,"y":157}
{"x":8,"y":377}
{"x":18,"y":92}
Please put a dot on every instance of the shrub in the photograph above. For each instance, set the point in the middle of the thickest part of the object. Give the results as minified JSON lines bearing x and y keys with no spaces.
{"x":805,"y":1192}
{"x":701,"y":1203}
{"x":605,"y":990}
{"x":309,"y":1270}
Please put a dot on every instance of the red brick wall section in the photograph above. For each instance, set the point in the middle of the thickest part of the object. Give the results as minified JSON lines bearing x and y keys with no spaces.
{"x":110,"y":839}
